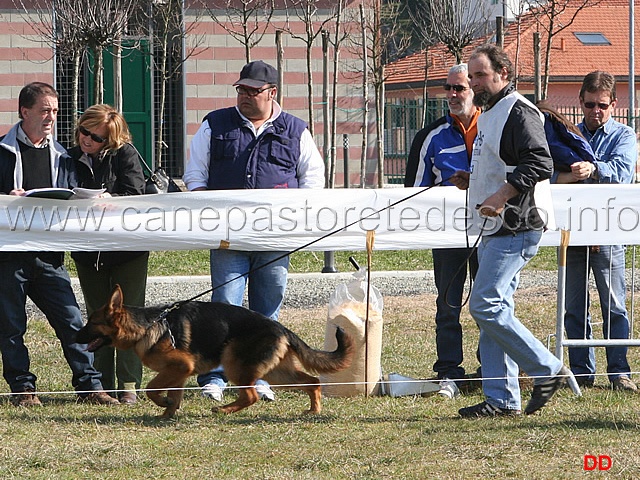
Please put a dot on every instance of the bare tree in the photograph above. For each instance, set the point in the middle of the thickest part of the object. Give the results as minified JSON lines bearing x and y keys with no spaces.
{"x":365,"y":97}
{"x":246,"y":21}
{"x":455,"y":23}
{"x":101,"y":25}
{"x":421,"y":29}
{"x":384,"y":40}
{"x":554,"y":16}
{"x":339,"y":36}
{"x":41,"y":16}
{"x":307,"y":12}
{"x":73,"y":26}
{"x":169,"y":33}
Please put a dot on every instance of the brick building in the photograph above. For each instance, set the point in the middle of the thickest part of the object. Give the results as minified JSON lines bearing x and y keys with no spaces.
{"x":213,"y":61}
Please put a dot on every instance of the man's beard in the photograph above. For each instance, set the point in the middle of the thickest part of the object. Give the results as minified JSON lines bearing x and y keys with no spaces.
{"x":481,"y":99}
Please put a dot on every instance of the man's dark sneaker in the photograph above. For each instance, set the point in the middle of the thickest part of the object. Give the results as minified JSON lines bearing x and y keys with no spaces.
{"x":485,"y":409}
{"x":543,"y":392}
{"x":26,"y":398}
{"x":98,"y":398}
{"x":585,"y":382}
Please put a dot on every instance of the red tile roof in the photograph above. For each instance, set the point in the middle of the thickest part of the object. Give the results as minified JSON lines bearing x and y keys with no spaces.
{"x":570,"y":59}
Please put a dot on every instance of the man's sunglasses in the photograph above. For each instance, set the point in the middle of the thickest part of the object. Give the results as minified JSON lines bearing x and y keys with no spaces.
{"x":456,"y":88}
{"x":601,"y":106}
{"x":94,"y":137}
{"x":251,"y":92}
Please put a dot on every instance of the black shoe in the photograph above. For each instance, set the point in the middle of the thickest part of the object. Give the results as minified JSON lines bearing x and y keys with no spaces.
{"x":585,"y":382}
{"x":543,"y":392}
{"x":485,"y":409}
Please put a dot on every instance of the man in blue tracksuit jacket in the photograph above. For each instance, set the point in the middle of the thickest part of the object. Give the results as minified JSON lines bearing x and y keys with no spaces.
{"x":437,"y":152}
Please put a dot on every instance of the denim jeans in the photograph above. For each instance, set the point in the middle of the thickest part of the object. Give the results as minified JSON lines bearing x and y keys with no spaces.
{"x":43,"y":278}
{"x":506,"y":345}
{"x":608,"y":267}
{"x":266,"y":288}
{"x":450,"y":273}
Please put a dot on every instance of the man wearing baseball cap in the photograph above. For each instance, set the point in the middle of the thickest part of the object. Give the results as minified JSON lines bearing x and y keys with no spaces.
{"x":253,"y":145}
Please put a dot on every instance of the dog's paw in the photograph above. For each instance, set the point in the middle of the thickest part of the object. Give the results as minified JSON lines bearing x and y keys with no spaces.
{"x":167,"y":414}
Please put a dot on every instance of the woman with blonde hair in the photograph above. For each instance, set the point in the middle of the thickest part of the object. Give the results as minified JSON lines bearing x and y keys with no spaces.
{"x":105,"y":158}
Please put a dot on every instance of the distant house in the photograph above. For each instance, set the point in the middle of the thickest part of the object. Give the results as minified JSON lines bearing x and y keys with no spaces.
{"x":598,"y":39}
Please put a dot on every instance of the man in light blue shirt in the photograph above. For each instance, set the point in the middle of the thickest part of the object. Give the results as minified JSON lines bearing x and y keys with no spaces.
{"x":616,"y":152}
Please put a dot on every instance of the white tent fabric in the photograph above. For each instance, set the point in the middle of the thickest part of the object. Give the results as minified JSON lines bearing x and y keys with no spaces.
{"x":283,"y":220}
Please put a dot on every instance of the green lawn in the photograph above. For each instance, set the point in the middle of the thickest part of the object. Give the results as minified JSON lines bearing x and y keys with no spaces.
{"x":353,"y":438}
{"x":196,"y":262}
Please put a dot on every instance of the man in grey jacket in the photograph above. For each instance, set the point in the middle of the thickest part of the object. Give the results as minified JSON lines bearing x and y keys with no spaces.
{"x":30,"y":158}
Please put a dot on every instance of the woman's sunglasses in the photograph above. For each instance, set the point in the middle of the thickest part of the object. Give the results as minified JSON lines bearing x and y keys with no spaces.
{"x":94,"y":137}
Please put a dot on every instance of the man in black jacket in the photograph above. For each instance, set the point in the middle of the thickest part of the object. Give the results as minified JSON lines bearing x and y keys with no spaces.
{"x":510,"y":165}
{"x":31,"y":158}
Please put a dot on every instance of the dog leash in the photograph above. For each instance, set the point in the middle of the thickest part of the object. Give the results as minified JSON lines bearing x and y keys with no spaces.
{"x":162,"y":317}
{"x":302,"y":247}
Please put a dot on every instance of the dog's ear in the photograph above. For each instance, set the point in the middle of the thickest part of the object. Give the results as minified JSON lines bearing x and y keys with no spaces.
{"x":116,"y":300}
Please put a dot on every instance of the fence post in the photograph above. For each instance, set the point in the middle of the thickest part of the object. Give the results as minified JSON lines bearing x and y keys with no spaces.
{"x":345,"y":159}
{"x":330,"y":257}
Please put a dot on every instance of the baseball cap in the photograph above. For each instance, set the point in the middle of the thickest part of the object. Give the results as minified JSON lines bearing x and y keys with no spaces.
{"x":257,"y":74}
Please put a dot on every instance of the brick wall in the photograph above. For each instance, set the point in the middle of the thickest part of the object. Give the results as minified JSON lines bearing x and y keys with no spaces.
{"x":210,"y":73}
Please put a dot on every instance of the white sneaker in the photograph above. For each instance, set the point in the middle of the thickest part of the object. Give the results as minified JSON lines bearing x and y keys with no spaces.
{"x":448,"y":388}
{"x":264,"y":392}
{"x":213,"y":391}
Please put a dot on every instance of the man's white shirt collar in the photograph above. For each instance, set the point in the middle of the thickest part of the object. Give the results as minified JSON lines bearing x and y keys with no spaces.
{"x":275,"y":113}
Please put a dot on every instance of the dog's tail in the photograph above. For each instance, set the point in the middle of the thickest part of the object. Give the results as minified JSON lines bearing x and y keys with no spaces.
{"x":320,"y":361}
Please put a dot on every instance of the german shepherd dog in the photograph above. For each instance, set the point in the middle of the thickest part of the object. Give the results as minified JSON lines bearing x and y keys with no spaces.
{"x":195,"y":337}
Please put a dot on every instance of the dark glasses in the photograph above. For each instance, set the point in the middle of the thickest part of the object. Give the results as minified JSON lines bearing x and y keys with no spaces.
{"x":456,"y":88}
{"x":251,"y":92}
{"x":94,"y":137}
{"x":601,"y":106}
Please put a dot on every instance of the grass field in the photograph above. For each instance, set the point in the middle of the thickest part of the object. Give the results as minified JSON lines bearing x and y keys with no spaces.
{"x":353,"y":438}
{"x":196,"y":262}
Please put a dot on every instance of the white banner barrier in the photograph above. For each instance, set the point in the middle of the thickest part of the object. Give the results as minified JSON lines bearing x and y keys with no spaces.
{"x":284,"y":220}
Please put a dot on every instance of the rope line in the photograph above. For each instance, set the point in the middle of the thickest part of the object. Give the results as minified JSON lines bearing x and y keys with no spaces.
{"x":296,"y":385}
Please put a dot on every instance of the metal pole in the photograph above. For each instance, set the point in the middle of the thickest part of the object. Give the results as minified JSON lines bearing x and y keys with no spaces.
{"x":536,"y":67}
{"x":632,"y":68}
{"x":345,"y":159}
{"x":562,"y":279}
{"x":329,"y":257}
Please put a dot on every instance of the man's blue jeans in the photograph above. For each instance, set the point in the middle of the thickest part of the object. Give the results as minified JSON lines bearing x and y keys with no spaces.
{"x":505,"y":343}
{"x":266,"y":287}
{"x":44,"y":279}
{"x":450,"y":274}
{"x":608,"y":267}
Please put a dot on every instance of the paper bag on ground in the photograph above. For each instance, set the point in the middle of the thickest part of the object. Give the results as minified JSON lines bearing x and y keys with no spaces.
{"x":348,"y":310}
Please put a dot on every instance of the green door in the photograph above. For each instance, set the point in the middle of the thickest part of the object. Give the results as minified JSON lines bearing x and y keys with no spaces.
{"x":137,"y":98}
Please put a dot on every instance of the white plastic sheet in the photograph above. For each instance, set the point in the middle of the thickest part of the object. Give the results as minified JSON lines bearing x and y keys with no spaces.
{"x":283,"y":220}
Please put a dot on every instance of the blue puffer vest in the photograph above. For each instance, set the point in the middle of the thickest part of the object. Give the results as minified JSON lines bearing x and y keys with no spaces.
{"x":239,"y":160}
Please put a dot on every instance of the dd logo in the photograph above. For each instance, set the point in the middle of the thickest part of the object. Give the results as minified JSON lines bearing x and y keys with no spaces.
{"x":601,"y":462}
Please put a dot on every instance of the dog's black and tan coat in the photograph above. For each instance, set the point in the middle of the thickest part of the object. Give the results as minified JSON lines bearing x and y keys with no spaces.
{"x":198,"y":336}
